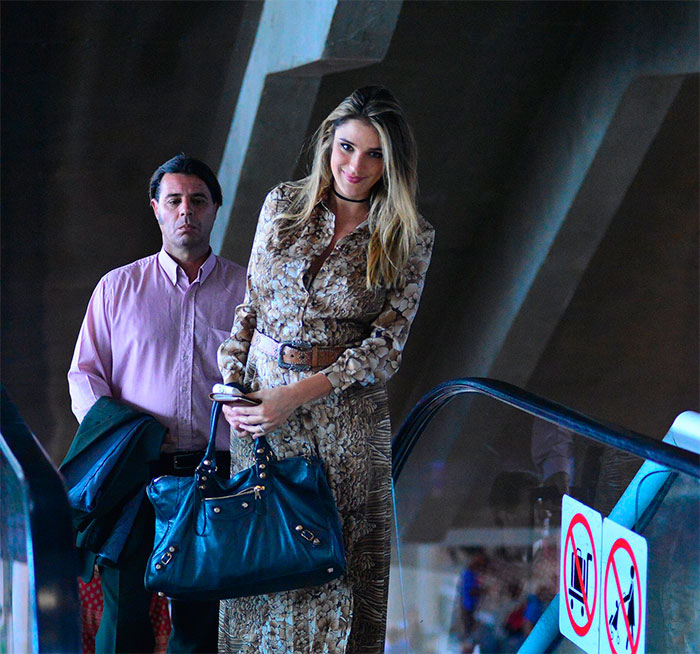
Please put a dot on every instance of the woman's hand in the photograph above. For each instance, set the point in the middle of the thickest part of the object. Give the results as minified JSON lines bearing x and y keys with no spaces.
{"x":276,"y":405}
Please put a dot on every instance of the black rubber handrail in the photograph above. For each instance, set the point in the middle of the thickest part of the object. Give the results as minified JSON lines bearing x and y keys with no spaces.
{"x":640,"y":445}
{"x":53,"y":558}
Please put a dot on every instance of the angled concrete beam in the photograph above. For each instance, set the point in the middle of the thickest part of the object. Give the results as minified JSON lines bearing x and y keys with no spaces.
{"x":297,"y":42}
{"x":562,"y":257}
{"x":589,"y":146}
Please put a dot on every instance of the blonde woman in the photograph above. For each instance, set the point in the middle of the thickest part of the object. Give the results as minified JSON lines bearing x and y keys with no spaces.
{"x":334,"y":280}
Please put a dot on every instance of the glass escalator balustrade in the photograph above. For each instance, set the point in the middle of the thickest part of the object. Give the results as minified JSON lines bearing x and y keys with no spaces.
{"x":38,"y":563}
{"x":16,"y":620}
{"x":478,"y":506}
{"x":673,"y":587}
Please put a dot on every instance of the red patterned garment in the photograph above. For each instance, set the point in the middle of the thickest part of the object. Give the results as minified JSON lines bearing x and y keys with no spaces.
{"x":90,"y":595}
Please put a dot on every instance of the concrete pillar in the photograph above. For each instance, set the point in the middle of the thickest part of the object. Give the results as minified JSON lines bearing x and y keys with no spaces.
{"x":297,"y":42}
{"x":584,"y":154}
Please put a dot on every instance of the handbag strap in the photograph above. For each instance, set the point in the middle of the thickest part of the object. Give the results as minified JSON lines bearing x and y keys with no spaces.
{"x":206,"y":470}
{"x":207,"y":466}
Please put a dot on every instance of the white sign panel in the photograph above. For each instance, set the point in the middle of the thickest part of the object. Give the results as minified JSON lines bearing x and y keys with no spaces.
{"x":579,"y":574}
{"x":624,"y":589}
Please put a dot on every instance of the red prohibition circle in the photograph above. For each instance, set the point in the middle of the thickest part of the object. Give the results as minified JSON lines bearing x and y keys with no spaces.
{"x":581,"y":630}
{"x":621,"y":543}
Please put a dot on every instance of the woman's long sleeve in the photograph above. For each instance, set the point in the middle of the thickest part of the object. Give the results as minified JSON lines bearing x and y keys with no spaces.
{"x":378,"y":356}
{"x":233,"y":352}
{"x":330,"y":307}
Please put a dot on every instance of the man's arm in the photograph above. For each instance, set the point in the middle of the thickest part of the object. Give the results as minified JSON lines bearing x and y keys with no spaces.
{"x":91,"y":368}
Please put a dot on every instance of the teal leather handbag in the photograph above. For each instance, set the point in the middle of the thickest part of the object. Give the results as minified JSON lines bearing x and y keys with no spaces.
{"x":271,"y":527}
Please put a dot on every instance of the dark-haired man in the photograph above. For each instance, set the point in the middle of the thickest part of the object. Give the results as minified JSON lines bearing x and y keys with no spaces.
{"x":149,"y":339}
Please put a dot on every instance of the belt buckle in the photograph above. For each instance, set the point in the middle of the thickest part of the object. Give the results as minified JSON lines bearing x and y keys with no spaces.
{"x":297,"y":345}
{"x":186,"y":460}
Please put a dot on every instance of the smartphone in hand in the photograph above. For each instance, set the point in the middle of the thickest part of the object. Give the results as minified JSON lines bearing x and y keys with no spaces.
{"x":225,"y":393}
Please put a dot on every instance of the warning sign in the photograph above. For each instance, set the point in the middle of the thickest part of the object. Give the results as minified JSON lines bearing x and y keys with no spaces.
{"x":624,"y":590}
{"x":579,"y":573}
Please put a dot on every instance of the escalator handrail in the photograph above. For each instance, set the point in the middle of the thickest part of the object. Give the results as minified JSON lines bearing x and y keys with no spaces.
{"x":635,"y":443}
{"x":52,"y":558}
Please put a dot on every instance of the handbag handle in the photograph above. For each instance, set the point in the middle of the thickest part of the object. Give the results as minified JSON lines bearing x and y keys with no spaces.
{"x":207,"y":466}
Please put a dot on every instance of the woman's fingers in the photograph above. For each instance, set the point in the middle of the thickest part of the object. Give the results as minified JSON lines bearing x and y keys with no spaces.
{"x":246,"y":420}
{"x":229,"y":415}
{"x":252,"y":416}
{"x":276,"y":405}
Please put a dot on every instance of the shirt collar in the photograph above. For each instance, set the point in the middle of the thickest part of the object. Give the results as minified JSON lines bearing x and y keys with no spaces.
{"x":171,"y":267}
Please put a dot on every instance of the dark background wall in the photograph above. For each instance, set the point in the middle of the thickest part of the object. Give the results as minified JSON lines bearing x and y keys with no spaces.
{"x":506,"y":99}
{"x":95,"y":96}
{"x":626,"y":348}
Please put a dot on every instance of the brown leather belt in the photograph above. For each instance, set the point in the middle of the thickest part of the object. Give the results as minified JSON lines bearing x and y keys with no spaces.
{"x":297,"y":355}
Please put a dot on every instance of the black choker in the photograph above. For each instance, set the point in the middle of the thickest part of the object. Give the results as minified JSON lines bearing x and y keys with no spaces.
{"x":342,"y":197}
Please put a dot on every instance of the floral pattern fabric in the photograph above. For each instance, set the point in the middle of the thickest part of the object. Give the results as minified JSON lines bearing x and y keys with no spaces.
{"x":349,"y":428}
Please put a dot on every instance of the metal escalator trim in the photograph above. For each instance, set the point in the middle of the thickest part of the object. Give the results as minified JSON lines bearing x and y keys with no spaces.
{"x":640,"y":445}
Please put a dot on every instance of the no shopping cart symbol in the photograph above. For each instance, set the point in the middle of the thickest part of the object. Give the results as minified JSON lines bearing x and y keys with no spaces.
{"x":624,"y":590}
{"x":623,"y":599}
{"x":580,"y":565}
{"x":579,"y":574}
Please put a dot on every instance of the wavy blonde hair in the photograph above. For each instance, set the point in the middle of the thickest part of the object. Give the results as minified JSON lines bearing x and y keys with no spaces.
{"x":393,"y":216}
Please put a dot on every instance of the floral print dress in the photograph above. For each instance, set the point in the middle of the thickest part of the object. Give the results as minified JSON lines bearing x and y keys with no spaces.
{"x":349,"y":428}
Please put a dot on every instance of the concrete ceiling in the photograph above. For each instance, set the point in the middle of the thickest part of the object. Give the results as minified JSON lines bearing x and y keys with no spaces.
{"x":96,"y":95}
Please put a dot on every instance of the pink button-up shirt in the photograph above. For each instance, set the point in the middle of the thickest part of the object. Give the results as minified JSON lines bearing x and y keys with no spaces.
{"x":149,"y":338}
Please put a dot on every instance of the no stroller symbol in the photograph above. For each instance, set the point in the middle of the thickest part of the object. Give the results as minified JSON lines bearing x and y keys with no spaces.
{"x":623,"y":618}
{"x":579,"y":570}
